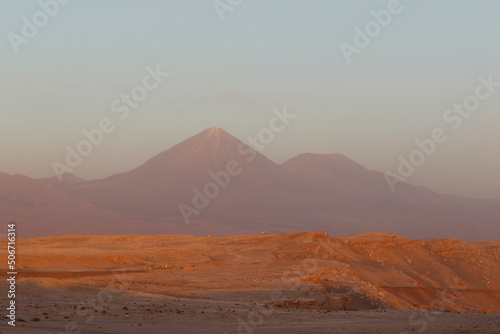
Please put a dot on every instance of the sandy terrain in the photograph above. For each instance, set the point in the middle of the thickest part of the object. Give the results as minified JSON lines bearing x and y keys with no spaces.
{"x":295,"y":283}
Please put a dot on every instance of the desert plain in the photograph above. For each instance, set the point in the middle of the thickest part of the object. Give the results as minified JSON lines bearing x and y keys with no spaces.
{"x":269,"y":283}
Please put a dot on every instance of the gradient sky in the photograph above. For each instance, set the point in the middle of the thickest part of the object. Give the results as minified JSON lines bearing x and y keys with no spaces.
{"x":232,"y":73}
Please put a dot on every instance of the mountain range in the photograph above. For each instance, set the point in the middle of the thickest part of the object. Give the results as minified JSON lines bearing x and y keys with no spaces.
{"x":212,"y":183}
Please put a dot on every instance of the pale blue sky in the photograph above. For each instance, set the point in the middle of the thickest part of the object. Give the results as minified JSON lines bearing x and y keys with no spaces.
{"x":231,"y":74}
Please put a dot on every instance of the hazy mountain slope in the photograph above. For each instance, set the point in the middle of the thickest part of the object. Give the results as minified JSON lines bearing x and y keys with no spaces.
{"x":410,"y":210}
{"x":154,"y":190}
{"x":220,"y":186}
{"x":67,"y":180}
{"x":41,"y":211}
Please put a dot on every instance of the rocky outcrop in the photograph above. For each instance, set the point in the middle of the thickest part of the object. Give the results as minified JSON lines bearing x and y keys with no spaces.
{"x":340,"y":302}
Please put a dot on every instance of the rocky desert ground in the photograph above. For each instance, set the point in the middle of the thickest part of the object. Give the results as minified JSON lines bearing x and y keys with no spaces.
{"x":274,"y":283}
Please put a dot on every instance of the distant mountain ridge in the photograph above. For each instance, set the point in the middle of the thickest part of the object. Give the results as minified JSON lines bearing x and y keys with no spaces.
{"x":155,"y":189}
{"x":40,"y":210}
{"x":307,"y":193}
{"x":67,"y":180}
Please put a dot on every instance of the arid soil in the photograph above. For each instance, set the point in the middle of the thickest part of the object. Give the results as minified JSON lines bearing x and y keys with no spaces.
{"x":280,"y":283}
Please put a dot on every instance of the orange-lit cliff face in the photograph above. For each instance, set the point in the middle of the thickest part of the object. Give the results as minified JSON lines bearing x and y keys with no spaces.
{"x":384,"y":268}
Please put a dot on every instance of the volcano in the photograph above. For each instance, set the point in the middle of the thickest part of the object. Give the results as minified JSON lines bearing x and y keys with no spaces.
{"x":217,"y":184}
{"x":213,"y":183}
{"x":258,"y":188}
{"x":343,"y":175}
